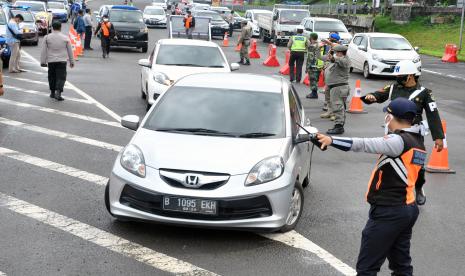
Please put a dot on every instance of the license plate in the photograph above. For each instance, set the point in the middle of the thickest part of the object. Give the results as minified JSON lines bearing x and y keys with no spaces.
{"x":190,"y":205}
{"x":127,"y":36}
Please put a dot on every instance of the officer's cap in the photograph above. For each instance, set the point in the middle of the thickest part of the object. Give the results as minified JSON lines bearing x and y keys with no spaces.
{"x":340,"y":48}
{"x":335,"y":36}
{"x":402,"y":108}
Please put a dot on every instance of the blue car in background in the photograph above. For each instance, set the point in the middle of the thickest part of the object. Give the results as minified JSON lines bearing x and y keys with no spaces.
{"x":59,"y":11}
{"x":6,"y":52}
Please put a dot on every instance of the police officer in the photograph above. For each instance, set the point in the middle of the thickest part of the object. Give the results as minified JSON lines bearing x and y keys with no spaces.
{"x":407,"y":86}
{"x":337,"y":81}
{"x":314,"y":64}
{"x":244,"y":39}
{"x":393,"y":211}
{"x":189,"y":24}
{"x":298,"y":45}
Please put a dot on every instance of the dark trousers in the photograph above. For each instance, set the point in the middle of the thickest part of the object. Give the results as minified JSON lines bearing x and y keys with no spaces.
{"x":105,"y":45}
{"x":231,"y":29}
{"x":88,"y":37}
{"x":296,"y":61}
{"x":387,"y":234}
{"x":56,"y":76}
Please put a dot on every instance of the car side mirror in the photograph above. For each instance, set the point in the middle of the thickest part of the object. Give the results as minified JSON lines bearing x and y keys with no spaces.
{"x":130,"y":121}
{"x":417,"y":49}
{"x":145,"y":63}
{"x":305,"y":134}
{"x":362,"y":48}
{"x":235,"y":66}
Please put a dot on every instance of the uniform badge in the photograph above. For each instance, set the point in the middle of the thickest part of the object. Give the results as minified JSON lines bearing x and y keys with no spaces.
{"x":419,"y":157}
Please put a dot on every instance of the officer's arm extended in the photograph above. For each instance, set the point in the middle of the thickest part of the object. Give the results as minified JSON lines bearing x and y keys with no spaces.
{"x":380,"y":96}
{"x":391,"y":145}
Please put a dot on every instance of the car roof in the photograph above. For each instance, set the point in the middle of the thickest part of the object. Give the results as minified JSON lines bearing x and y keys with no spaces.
{"x":236,"y":81}
{"x":259,"y":11}
{"x":323,"y":19}
{"x":381,"y":35}
{"x":187,"y":42}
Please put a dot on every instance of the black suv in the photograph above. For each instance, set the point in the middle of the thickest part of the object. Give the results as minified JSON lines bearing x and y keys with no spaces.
{"x":130,"y":28}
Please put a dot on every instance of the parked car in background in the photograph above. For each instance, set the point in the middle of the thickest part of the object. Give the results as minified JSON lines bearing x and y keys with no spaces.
{"x":42,"y":16}
{"x":378,"y":53}
{"x":252,"y":17}
{"x":130,"y":28}
{"x":218,"y":25}
{"x":28,"y":26}
{"x":160,"y":3}
{"x":59,"y":11}
{"x":155,"y":16}
{"x":199,"y":7}
{"x":324,"y":26}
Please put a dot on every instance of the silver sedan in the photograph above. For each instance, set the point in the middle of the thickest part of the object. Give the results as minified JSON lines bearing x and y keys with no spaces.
{"x":216,"y":150}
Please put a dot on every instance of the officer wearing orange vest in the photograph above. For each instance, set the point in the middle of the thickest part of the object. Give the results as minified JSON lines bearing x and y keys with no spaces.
{"x":189,"y":24}
{"x":393,"y":210}
{"x":107,"y":32}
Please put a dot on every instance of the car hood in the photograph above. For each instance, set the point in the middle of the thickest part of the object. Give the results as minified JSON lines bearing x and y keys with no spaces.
{"x":128,"y":26}
{"x":58,"y":11}
{"x":176,"y":72}
{"x":204,"y":153}
{"x":395,"y":55}
{"x":29,"y":25}
{"x":159,"y":17}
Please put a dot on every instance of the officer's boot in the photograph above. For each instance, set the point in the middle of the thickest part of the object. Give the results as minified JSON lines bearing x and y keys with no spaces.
{"x":241,"y":61}
{"x":247,"y":61}
{"x":52,"y":93}
{"x":58,"y":96}
{"x":313,"y":95}
{"x":338,"y":129}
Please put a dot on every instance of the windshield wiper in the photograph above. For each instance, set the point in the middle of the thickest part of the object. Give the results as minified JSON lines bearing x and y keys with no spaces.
{"x":203,"y":131}
{"x":256,"y":135}
{"x":214,"y":66}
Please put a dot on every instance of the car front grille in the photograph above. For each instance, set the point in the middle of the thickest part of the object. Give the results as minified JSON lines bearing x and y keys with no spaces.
{"x":177,"y":178}
{"x":390,"y":62}
{"x":228,"y":209}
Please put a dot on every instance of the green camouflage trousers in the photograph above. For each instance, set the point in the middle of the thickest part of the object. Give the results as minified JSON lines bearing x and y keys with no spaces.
{"x":314,"y":76}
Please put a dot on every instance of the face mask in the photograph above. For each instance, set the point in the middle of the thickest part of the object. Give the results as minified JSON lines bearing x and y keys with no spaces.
{"x":387,"y":120}
{"x":402,"y":79}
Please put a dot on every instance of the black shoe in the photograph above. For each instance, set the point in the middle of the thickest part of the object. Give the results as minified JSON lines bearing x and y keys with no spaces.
{"x":312,"y":96}
{"x":240,"y":61}
{"x":58,"y":96}
{"x":52,"y":94}
{"x":421,"y":197}
{"x":247,"y":62}
{"x":104,"y":56}
{"x":338,"y":129}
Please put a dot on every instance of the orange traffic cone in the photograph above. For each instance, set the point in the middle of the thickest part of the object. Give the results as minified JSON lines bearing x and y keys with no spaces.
{"x":271,"y":61}
{"x":439,"y":161}
{"x":321,"y":80}
{"x":286,"y":69}
{"x":239,"y":46}
{"x":225,"y":40}
{"x":356,"y":105}
{"x":253,"y":53}
{"x":307,"y":80}
{"x":79,"y":45}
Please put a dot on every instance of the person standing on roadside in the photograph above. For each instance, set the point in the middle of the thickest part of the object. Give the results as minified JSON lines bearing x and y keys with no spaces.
{"x":79,"y":25}
{"x":230,"y":20}
{"x":314,"y":65}
{"x":88,"y":23}
{"x":244,"y":41}
{"x":56,"y":52}
{"x":13,"y":39}
{"x":107,"y":32}
{"x":298,"y":45}
{"x":189,"y":24}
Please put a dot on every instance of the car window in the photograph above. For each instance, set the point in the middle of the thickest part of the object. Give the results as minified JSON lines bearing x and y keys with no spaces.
{"x":292,"y":16}
{"x":295,"y":113}
{"x":229,"y":111}
{"x":364,"y":42}
{"x":390,"y":43}
{"x":2,"y":18}
{"x":357,"y":40}
{"x":154,"y":11}
{"x":308,"y":25}
{"x":28,"y":17}
{"x":330,"y":26}
{"x":126,"y":16}
{"x":56,"y":5}
{"x":190,"y":55}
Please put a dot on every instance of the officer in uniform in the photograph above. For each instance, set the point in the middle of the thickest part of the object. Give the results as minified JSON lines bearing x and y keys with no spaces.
{"x":337,"y":81}
{"x":314,"y":65}
{"x":244,"y":39}
{"x":408,"y":87}
{"x":298,"y":45}
{"x":393,"y":211}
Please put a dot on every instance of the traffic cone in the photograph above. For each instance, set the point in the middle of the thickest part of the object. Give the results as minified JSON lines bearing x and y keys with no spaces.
{"x":321,"y":80}
{"x":285,"y":70}
{"x":271,"y":61}
{"x":356,"y":105}
{"x":80,"y":51}
{"x":239,"y":46}
{"x":307,"y":80}
{"x":439,"y":161}
{"x":73,"y":46}
{"x":253,"y":53}
{"x":225,"y":40}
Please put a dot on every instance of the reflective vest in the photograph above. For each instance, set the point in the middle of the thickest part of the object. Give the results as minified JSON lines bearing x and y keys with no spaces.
{"x":298,"y":43}
{"x":188,"y":22}
{"x":392,"y":182}
{"x":106,"y":29}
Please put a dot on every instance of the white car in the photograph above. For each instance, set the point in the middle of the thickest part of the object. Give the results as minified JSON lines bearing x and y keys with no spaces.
{"x":324,"y":26}
{"x":160,"y":3}
{"x":200,"y":7}
{"x":252,"y":17}
{"x":172,"y":59}
{"x":378,"y":53}
{"x":155,"y":16}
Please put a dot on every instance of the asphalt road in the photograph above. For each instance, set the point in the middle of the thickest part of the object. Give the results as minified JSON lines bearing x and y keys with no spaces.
{"x":55,"y":157}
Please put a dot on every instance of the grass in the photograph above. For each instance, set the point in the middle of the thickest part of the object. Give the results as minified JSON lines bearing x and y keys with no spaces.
{"x":431,"y":38}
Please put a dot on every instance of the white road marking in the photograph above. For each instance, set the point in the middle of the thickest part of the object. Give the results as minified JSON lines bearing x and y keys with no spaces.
{"x":296,"y":240}
{"x":102,"y":238}
{"x":25,"y":61}
{"x":33,"y":72}
{"x":63,"y":113}
{"x":46,"y":94}
{"x":2,"y":273}
{"x":80,"y":92}
{"x":56,"y":167}
{"x":32,"y":81}
{"x":443,"y":75}
{"x":60,"y":134}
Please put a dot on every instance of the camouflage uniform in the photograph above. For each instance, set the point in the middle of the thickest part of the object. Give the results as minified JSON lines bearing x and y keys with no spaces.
{"x":314,"y":66}
{"x":244,"y":39}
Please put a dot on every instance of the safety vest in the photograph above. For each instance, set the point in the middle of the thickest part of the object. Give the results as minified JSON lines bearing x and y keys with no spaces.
{"x":188,"y":22}
{"x":298,"y":43}
{"x":392,"y":182}
{"x":106,"y":29}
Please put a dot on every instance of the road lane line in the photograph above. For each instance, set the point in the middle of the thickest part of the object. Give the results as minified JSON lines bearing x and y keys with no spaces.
{"x":56,"y":167}
{"x":62,"y":113}
{"x":44,"y":94}
{"x":102,"y":238}
{"x":296,"y":240}
{"x":2,"y":273}
{"x":60,"y":134}
{"x":105,"y":109}
{"x":32,"y":81}
{"x":443,"y":75}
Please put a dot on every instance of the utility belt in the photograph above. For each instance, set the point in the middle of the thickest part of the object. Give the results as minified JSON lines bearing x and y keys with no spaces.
{"x":336,"y":85}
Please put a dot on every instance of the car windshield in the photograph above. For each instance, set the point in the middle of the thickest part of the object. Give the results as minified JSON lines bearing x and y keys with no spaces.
{"x":2,"y":18}
{"x":154,"y":11}
{"x":330,"y":26}
{"x":292,"y":17}
{"x":190,"y":55}
{"x":28,"y":17}
{"x":215,"y":16}
{"x":257,"y":14}
{"x":222,"y":112}
{"x":35,"y":7}
{"x":159,"y":1}
{"x":390,"y":43}
{"x":56,"y":5}
{"x":126,"y":16}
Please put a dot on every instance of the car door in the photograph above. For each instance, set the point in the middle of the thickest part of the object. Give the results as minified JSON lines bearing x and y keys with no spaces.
{"x":300,"y":152}
{"x":353,"y":51}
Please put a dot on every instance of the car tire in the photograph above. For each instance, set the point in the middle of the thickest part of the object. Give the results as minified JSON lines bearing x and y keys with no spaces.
{"x":144,"y":49}
{"x":295,"y":209}
{"x":142,"y":93}
{"x":366,"y":70}
{"x":275,"y":40}
{"x":107,"y":198}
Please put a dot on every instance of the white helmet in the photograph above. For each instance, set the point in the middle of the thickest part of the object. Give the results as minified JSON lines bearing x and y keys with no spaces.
{"x":405,"y":67}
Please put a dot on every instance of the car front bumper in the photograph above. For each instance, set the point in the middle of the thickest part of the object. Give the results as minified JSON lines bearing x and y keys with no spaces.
{"x":386,"y":69}
{"x":155,"y":89}
{"x":263,"y":206}
{"x":218,"y":31}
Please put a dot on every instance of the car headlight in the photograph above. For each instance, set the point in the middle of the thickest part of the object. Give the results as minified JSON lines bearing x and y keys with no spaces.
{"x":144,"y":30}
{"x":265,"y":171}
{"x":376,"y":57}
{"x":161,"y":78}
{"x":416,"y":60}
{"x":133,"y":161}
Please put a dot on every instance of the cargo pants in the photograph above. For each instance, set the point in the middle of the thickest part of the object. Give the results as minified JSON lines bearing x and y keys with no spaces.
{"x":337,"y":99}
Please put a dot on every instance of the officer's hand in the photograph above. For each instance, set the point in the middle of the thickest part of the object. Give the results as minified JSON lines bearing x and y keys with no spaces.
{"x":324,"y":140}
{"x":439,"y":144}
{"x":371,"y":98}
{"x":71,"y":65}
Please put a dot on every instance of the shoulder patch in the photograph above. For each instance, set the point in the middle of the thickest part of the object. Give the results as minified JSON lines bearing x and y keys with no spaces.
{"x":419,"y":157}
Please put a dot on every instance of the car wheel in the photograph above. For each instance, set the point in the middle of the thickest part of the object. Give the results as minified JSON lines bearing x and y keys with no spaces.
{"x":107,"y":198}
{"x":366,"y":70}
{"x":147,"y":100}
{"x":142,"y":93}
{"x":144,"y":49}
{"x":295,"y":208}
{"x":275,"y":40}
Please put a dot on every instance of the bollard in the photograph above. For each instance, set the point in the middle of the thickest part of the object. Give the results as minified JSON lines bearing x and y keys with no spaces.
{"x":271,"y":61}
{"x":253,"y":53}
